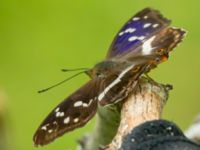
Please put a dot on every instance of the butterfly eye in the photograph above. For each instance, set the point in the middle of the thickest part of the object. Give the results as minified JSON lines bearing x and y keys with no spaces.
{"x":157,"y":60}
{"x":98,"y":74}
{"x":160,"y":51}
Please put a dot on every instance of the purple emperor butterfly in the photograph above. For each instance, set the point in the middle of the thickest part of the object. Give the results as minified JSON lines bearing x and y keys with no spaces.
{"x":141,"y":44}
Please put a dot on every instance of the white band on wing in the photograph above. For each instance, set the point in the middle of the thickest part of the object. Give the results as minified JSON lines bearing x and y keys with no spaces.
{"x":117,"y":80}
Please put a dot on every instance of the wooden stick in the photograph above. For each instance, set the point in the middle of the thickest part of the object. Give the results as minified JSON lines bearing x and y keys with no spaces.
{"x":144,"y":104}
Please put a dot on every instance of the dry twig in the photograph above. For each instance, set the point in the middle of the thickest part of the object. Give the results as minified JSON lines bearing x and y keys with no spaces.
{"x":116,"y":121}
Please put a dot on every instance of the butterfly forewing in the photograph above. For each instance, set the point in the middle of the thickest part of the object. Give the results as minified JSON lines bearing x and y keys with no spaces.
{"x":156,"y":51}
{"x":136,"y":31}
{"x":75,"y":111}
{"x":158,"y":45}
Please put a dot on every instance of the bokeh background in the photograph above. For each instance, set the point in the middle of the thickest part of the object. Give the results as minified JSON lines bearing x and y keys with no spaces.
{"x":40,"y":37}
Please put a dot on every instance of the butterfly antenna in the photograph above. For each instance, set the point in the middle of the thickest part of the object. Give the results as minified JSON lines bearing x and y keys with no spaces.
{"x":59,"y":83}
{"x":77,"y":69}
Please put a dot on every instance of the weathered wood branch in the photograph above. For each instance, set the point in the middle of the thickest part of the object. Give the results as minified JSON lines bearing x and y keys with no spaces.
{"x":115,"y":121}
{"x":146,"y":103}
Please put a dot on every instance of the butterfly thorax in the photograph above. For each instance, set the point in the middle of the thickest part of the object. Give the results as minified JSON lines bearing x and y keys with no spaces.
{"x":106,"y":68}
{"x":114,"y":67}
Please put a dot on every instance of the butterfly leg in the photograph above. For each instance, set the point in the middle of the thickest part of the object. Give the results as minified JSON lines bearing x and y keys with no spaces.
{"x":150,"y":79}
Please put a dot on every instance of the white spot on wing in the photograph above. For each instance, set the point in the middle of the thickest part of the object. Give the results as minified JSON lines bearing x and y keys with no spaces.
{"x":78,"y":103}
{"x":76,"y":120}
{"x":136,"y":18}
{"x":50,"y":130}
{"x":145,"y":17}
{"x":116,"y":81}
{"x":44,"y":128}
{"x":155,"y":25}
{"x":132,"y":38}
{"x":121,"y":33}
{"x":147,"y":47}
{"x":141,"y":38}
{"x":130,"y":30}
{"x":87,"y":105}
{"x":60,"y":114}
{"x":66,"y":120}
{"x":146,"y":25}
{"x":57,"y":109}
{"x":57,"y":114}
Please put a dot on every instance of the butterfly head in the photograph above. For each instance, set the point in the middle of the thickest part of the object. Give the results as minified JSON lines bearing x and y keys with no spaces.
{"x":102,"y":69}
{"x":106,"y":68}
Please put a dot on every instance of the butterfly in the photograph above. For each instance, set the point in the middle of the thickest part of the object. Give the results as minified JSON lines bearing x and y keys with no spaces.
{"x":141,"y":44}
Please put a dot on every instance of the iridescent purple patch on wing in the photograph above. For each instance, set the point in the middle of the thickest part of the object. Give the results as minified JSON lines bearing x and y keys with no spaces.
{"x":138,"y":29}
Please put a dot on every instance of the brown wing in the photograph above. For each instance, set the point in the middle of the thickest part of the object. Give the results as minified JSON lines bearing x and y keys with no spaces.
{"x":160,"y":44}
{"x":117,"y":87}
{"x":74,"y":112}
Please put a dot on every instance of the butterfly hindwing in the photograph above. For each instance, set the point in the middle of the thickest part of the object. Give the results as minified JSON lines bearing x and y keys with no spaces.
{"x":75,"y":111}
{"x":116,"y":88}
{"x":137,"y":30}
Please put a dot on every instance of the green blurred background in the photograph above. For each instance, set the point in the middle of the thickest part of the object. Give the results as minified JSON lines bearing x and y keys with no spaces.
{"x":39,"y":37}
